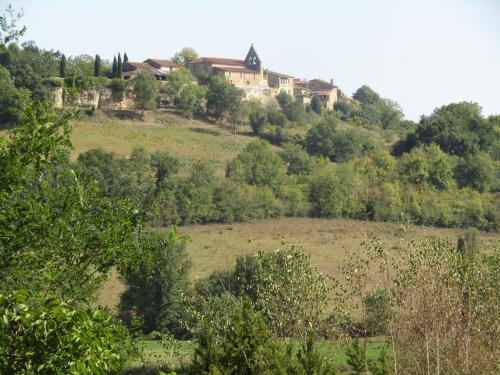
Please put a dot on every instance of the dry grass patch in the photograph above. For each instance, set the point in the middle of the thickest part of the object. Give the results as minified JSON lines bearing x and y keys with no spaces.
{"x":216,"y":246}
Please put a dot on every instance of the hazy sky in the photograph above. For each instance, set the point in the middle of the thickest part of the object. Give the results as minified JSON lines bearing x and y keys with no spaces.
{"x":422,"y":54}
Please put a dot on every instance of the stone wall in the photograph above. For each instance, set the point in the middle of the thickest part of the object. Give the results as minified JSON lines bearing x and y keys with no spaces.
{"x":115,"y":99}
{"x":57,"y":94}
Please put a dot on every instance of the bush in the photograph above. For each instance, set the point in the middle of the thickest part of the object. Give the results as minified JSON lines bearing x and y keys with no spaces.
{"x":285,"y":286}
{"x":53,"y":82}
{"x":117,"y":84}
{"x":256,"y":165}
{"x":257,"y":120}
{"x":378,"y":310}
{"x":51,"y":337}
{"x":477,"y":172}
{"x":156,"y":280}
{"x":296,"y":158}
{"x":245,"y":348}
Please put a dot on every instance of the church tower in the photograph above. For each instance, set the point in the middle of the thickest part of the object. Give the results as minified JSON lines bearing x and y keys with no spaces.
{"x":252,"y":61}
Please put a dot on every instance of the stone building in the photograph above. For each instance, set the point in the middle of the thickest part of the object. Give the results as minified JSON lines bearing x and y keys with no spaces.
{"x":326,"y":92}
{"x":248,"y":74}
{"x":279,"y":82}
{"x":160,"y":68}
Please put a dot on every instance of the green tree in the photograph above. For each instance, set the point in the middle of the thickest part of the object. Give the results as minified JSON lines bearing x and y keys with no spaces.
{"x":164,"y":166}
{"x":114,"y":69}
{"x":222,"y":98}
{"x":12,"y":100}
{"x":247,"y":347}
{"x":256,"y":165}
{"x":48,"y":336}
{"x":457,"y":128}
{"x":183,"y":87}
{"x":97,"y":66}
{"x":156,"y":278}
{"x":62,"y":67}
{"x":478,"y":172}
{"x":286,"y":288}
{"x":125,"y":58}
{"x":316,"y":105}
{"x":185,"y":56}
{"x":145,"y":90}
{"x":339,"y":145}
{"x":366,"y":95}
{"x":69,"y":238}
{"x":257,"y":119}
{"x":296,"y":158}
{"x":119,"y":66}
{"x":9,"y":29}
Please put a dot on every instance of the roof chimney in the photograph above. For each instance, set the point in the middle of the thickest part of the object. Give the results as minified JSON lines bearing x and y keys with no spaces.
{"x":331,"y":81}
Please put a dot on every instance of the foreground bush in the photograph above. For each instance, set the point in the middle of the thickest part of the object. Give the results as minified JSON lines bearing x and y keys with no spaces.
{"x":284,"y":286}
{"x":52,"y":337}
{"x":155,"y":280}
{"x":247,"y":347}
{"x":439,"y":305}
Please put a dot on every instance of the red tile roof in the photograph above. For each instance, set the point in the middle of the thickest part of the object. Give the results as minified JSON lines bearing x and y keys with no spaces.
{"x":130,"y":67}
{"x":166,"y":63}
{"x":221,"y":61}
{"x":236,"y":69}
{"x":279,"y":74}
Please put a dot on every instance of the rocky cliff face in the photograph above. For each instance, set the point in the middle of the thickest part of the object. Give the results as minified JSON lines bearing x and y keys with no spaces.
{"x":115,"y":99}
{"x":105,"y":98}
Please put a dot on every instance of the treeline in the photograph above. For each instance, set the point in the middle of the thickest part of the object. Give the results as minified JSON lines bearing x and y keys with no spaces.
{"x":425,"y":186}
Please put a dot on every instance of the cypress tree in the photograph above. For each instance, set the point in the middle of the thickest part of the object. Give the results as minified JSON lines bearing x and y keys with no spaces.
{"x":114,"y":69}
{"x":119,"y":67}
{"x":125,"y":58}
{"x":97,"y":66}
{"x":62,"y":66}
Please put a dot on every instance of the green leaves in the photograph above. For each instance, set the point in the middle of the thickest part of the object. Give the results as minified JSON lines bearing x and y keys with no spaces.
{"x":48,"y":336}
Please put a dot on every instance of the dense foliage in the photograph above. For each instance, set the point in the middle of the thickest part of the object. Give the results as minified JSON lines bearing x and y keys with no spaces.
{"x":48,"y":336}
{"x":156,"y":280}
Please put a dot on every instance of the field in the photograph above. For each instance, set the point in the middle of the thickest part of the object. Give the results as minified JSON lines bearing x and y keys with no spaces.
{"x":178,"y":354}
{"x":216,"y":246}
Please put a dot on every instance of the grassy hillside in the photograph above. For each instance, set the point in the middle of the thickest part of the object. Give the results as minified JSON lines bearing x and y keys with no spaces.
{"x":188,"y":140}
{"x":216,"y":246}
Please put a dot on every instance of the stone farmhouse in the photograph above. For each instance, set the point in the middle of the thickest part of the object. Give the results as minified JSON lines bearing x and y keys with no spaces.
{"x":247,"y":74}
{"x":160,"y":68}
{"x":326,"y":92}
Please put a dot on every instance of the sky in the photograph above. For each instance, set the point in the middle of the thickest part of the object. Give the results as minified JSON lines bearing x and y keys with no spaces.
{"x":422,"y":54}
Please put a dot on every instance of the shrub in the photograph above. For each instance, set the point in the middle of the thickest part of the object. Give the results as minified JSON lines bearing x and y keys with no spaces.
{"x":256,"y":165}
{"x":286,"y":287}
{"x":296,"y":158}
{"x":257,"y":120}
{"x":477,"y":172}
{"x":245,"y":348}
{"x":117,"y":84}
{"x":52,"y":337}
{"x":156,"y":280}
{"x":53,"y":82}
{"x":378,"y":311}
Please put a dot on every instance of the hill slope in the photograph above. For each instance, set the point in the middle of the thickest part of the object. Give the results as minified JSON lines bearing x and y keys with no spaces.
{"x":188,"y":140}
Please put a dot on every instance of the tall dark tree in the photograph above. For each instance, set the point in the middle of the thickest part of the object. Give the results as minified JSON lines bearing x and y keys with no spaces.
{"x":62,"y":66}
{"x":119,"y":67}
{"x":114,"y":69}
{"x":125,"y":57}
{"x":97,"y":66}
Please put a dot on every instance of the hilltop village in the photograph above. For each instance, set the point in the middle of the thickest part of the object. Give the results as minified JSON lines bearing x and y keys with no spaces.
{"x":248,"y":75}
